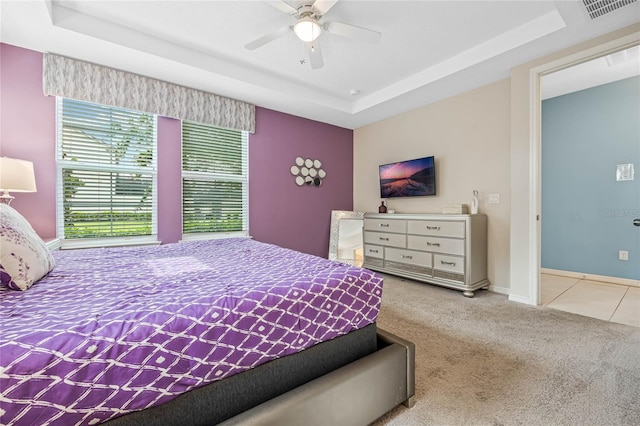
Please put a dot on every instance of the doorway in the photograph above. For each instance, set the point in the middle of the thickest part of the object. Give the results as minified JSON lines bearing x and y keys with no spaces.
{"x":538,"y":74}
{"x":589,"y":117}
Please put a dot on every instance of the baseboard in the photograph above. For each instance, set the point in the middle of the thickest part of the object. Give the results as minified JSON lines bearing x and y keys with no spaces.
{"x":497,"y":289}
{"x":591,"y":277}
{"x":520,"y":299}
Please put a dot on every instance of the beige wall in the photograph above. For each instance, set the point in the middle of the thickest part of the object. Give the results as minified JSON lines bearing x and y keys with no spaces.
{"x":482,"y":139}
{"x":469,"y":135}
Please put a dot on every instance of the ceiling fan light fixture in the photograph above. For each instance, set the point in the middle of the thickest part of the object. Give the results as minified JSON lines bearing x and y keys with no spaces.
{"x":307,"y":29}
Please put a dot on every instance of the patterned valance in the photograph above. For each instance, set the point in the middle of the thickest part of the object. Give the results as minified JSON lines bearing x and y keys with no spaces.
{"x":71,"y":78}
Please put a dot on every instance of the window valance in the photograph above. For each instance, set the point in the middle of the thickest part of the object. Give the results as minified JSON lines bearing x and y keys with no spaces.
{"x":74,"y":79}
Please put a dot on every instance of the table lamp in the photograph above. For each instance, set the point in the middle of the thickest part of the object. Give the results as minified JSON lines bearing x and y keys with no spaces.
{"x":15,"y":176}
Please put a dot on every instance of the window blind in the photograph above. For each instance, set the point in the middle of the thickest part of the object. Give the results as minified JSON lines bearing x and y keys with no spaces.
{"x":214,"y":179}
{"x":106,"y":160}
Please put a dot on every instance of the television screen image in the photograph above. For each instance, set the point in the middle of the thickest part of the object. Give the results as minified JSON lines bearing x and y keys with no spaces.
{"x":411,"y":178}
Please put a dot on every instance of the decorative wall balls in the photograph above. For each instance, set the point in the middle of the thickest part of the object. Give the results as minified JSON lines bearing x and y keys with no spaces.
{"x":308,"y":172}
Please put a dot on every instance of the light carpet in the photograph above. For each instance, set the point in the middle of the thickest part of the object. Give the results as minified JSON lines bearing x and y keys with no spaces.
{"x":488,"y":361}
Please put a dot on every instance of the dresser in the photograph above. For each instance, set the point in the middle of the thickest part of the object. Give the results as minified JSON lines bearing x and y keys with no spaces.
{"x":449,"y":250}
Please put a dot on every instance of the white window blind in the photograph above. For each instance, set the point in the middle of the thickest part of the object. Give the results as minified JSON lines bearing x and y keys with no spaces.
{"x":106,"y":160}
{"x":215,"y":181}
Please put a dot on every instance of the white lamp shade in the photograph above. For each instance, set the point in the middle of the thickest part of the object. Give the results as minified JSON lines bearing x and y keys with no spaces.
{"x":17,"y":175}
{"x":307,"y":29}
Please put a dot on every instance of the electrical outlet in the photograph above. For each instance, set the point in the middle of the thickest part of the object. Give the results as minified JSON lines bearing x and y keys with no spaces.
{"x":494,"y":199}
{"x":623,"y":255}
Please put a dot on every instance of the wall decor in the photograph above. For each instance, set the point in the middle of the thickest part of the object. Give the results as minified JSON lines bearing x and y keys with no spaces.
{"x":474,"y":202}
{"x":308,"y":172}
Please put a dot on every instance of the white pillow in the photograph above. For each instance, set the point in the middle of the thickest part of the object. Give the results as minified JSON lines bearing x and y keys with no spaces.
{"x":24,"y":257}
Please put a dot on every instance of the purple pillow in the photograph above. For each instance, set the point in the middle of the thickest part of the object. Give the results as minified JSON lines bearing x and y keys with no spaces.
{"x":24,"y":257}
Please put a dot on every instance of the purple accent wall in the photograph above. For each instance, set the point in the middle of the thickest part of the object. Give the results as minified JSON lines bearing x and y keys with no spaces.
{"x":28,"y":132}
{"x":280,"y":212}
{"x":169,"y":180}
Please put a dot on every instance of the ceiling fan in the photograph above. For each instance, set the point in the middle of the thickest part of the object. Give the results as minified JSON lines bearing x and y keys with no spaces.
{"x":308,"y":28}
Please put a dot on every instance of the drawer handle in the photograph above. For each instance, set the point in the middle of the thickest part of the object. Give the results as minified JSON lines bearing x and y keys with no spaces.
{"x":433,"y":244}
{"x":384,"y":225}
{"x":384,"y":238}
{"x":402,"y":256}
{"x":373,"y":251}
{"x":448,"y":263}
{"x":433,"y":228}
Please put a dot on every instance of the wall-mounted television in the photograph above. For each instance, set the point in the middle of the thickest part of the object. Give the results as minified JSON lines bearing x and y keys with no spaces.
{"x":411,"y":178}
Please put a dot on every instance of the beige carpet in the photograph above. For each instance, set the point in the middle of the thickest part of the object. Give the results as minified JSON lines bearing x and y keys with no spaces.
{"x":489,"y":361}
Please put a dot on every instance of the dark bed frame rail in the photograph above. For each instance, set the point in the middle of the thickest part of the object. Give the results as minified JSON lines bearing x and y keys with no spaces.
{"x":353,"y":379}
{"x":356,"y":394}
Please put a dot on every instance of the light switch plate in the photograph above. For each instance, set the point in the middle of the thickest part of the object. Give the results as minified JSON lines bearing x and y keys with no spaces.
{"x":624,"y":172}
{"x":494,"y":199}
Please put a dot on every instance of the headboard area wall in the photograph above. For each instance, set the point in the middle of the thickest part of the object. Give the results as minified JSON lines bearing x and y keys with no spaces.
{"x":280,"y":211}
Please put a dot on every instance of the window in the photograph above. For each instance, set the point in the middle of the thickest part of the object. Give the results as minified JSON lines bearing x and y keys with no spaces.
{"x":214,"y":181}
{"x":106,"y":160}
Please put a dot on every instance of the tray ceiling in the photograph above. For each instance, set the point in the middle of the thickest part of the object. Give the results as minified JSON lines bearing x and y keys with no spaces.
{"x":429,"y":50}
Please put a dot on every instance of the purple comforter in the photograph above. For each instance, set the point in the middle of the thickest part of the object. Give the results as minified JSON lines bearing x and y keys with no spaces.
{"x":110,"y":331}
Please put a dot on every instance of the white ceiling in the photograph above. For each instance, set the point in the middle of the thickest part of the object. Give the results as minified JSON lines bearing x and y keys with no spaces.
{"x":605,"y":69}
{"x":429,"y":49}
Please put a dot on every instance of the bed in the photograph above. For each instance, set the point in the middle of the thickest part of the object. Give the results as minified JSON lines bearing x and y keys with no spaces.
{"x":232,"y":331}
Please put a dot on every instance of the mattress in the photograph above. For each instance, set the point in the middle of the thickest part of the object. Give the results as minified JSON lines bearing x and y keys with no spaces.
{"x":115,"y":330}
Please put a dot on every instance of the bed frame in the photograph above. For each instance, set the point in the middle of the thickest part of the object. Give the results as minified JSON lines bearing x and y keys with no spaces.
{"x":374,"y":381}
{"x":356,"y":394}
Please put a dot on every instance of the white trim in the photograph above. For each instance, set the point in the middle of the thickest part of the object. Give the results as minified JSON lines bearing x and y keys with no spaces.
{"x":53,"y":243}
{"x":535,"y":146}
{"x":520,"y":299}
{"x":501,"y":290}
{"x":535,"y":251}
{"x":199,"y":236}
{"x":591,"y":277}
{"x":154,"y":177}
{"x":212,"y":177}
{"x":78,"y":243}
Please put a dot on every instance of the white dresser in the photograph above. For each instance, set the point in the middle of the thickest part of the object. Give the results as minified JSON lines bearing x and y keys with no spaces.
{"x":444,"y":249}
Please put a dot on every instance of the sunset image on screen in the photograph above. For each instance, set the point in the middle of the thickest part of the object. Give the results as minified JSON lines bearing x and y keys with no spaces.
{"x":408,"y":178}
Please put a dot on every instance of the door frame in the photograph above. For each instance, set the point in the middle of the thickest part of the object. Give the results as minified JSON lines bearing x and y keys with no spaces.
{"x":535,"y":144}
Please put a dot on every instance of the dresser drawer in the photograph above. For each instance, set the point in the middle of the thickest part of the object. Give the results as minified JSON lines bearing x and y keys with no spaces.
{"x":437,"y":228}
{"x":436,"y":244}
{"x":374,"y":251}
{"x":409,"y":257}
{"x":397,"y":226}
{"x":448,"y":263}
{"x":382,"y":238}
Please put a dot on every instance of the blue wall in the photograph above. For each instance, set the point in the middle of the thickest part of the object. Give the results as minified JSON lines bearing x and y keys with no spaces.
{"x":586,"y":214}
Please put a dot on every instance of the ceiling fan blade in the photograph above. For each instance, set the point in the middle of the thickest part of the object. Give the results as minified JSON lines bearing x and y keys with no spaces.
{"x":315,"y":54}
{"x":283,"y":6}
{"x":322,"y":6}
{"x":353,"y":32}
{"x":261,"y":41}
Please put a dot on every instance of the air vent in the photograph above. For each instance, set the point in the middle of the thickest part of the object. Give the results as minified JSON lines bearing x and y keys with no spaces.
{"x":597,"y":8}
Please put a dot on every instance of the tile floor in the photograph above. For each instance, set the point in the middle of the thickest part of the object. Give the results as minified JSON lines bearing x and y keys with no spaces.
{"x":609,"y":302}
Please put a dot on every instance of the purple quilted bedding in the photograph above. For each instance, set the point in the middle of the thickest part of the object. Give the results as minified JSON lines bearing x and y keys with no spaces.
{"x":110,"y":331}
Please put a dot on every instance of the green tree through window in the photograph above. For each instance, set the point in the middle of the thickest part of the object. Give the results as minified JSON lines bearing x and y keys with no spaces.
{"x":214,"y":180}
{"x":106,"y":161}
